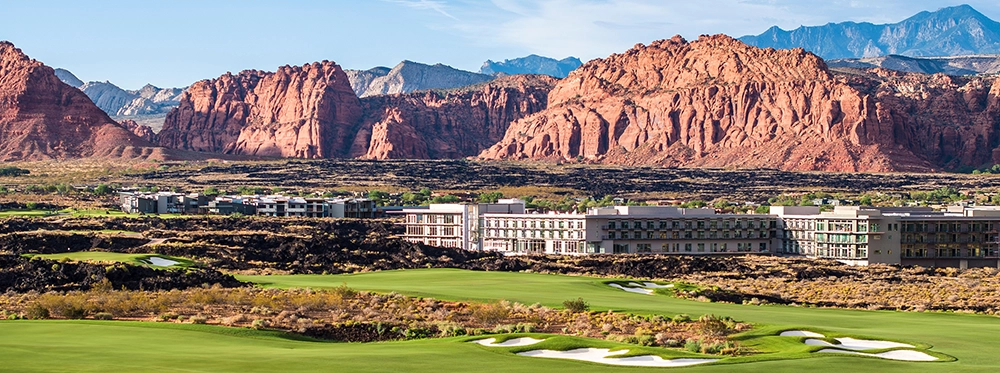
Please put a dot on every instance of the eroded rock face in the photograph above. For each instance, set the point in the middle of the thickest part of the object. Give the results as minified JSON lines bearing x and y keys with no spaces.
{"x":456,"y":124}
{"x":43,"y":118}
{"x":717,"y":102}
{"x":409,"y":76}
{"x":299,"y":111}
{"x":312,"y":112}
{"x":142,"y":131}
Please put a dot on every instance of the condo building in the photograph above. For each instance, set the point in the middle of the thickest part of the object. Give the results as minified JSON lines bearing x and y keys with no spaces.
{"x":506,"y":227}
{"x":958,"y":237}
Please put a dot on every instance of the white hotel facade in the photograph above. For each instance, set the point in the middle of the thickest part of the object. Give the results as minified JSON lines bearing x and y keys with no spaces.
{"x":959,"y":237}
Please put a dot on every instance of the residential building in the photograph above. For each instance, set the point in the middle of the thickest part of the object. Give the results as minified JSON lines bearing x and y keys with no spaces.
{"x":276,"y":205}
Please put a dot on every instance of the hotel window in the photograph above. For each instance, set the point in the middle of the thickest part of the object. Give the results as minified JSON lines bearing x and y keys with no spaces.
{"x":611,"y":225}
{"x":625,"y":225}
{"x":687,"y":247}
{"x":701,"y":248}
{"x":649,"y":235}
{"x":701,"y":234}
{"x":611,"y":235}
{"x":701,"y":224}
{"x":663,"y":235}
{"x":663,"y":224}
{"x":763,"y":246}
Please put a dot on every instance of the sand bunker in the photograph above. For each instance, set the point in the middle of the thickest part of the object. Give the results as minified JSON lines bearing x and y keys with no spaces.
{"x":857,"y":344}
{"x":602,"y":356}
{"x":161,"y":262}
{"x":653,"y":285}
{"x":800,"y":333}
{"x":904,"y":355}
{"x":632,"y":290}
{"x":513,"y":342}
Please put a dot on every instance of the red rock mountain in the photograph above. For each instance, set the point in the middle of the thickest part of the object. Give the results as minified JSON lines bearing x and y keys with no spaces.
{"x":43,"y":118}
{"x":295,"y":112}
{"x":312,"y":112}
{"x":717,"y":102}
{"x":451,"y":124}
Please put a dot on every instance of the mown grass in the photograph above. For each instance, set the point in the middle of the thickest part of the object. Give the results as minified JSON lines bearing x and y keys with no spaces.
{"x":957,"y":335}
{"x":106,"y":257}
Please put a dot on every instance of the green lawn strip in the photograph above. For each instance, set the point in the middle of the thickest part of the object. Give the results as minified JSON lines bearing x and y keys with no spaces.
{"x":106,"y":257}
{"x":566,"y":343}
{"x":26,"y":213}
{"x":961,"y":336}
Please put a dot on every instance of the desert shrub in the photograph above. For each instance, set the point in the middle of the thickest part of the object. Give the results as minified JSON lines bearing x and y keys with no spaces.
{"x":344,"y":292}
{"x":713,"y":325}
{"x":576,"y":305}
{"x":73,"y":311}
{"x":36,"y":311}
{"x":450,"y":329}
{"x":198,"y":319}
{"x":490,"y":313}
{"x":514,"y":328}
{"x":693,"y":345}
{"x":682,"y":318}
{"x":103,"y":316}
{"x":259,"y":324}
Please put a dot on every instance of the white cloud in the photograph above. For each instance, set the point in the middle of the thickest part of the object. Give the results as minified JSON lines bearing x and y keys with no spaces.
{"x":435,"y":5}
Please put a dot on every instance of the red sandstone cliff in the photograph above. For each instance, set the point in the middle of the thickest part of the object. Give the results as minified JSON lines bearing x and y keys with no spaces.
{"x":311,"y":112}
{"x":295,"y":112}
{"x":451,"y":124}
{"x":717,"y":102}
{"x":43,"y":118}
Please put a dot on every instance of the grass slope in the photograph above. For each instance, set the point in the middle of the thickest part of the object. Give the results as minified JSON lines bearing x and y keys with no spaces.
{"x":106,"y":257}
{"x":962,"y":336}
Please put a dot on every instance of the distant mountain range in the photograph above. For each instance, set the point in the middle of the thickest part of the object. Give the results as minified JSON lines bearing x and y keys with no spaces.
{"x":533,"y":64}
{"x":409,"y":76}
{"x":955,"y":65}
{"x":952,"y":31}
{"x":147,"y":105}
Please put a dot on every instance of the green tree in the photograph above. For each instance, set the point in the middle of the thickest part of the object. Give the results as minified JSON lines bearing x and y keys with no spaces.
{"x":490,"y":197}
{"x":102,"y":190}
{"x":379,"y":197}
{"x":762,"y":209}
{"x":211,"y":191}
{"x":866,"y":200}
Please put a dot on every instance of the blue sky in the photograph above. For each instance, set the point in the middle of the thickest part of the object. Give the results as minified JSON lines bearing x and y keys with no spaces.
{"x":174,"y":43}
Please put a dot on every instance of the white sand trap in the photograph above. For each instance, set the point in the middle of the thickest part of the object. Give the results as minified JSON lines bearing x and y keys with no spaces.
{"x":905,"y":355}
{"x":857,"y":344}
{"x":801,"y":333}
{"x":636,"y":285}
{"x":653,"y":285}
{"x":513,"y":342}
{"x":864,"y":344}
{"x":161,"y":262}
{"x":601,"y":356}
{"x":633,"y":290}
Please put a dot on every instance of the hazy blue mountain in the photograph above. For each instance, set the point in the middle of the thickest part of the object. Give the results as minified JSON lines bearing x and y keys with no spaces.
{"x":952,"y":31}
{"x":533,"y":64}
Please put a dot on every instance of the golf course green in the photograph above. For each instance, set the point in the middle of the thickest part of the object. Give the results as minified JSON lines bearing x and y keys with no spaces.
{"x":93,"y":346}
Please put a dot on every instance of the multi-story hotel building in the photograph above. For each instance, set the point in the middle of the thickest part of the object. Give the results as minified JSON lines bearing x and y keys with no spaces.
{"x":505,"y":227}
{"x":959,"y":237}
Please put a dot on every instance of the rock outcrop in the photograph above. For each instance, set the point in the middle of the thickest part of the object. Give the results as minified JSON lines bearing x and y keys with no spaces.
{"x":142,"y":131}
{"x":67,"y":77}
{"x":300,"y":111}
{"x":409,"y":76}
{"x":361,"y":79}
{"x":311,"y":112}
{"x":953,"y":65}
{"x":532,"y":64}
{"x":43,"y":118}
{"x":717,"y":102}
{"x":452,"y":124}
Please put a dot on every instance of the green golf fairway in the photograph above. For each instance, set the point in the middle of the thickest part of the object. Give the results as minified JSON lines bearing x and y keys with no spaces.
{"x":92,"y":346}
{"x":105,"y":257}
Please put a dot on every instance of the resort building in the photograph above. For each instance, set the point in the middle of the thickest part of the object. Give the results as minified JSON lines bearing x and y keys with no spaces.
{"x":276,"y":205}
{"x":505,"y":227}
{"x":958,"y":237}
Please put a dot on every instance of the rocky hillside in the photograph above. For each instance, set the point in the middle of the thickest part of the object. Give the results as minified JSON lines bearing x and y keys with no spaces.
{"x":409,"y":76}
{"x":448,"y":124}
{"x":43,"y":118}
{"x":263,"y":113}
{"x":298,"y":111}
{"x":952,"y":31}
{"x":148,"y":105}
{"x":953,"y":65}
{"x":717,"y":102}
{"x":533,"y":64}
